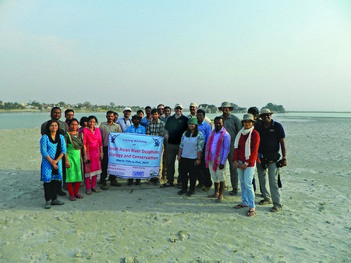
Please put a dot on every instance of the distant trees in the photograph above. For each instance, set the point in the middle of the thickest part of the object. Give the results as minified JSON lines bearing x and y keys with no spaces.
{"x":275,"y":107}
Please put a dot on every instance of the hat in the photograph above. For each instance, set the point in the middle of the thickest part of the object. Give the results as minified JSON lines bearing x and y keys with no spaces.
{"x":136,"y":116}
{"x":192,"y":121}
{"x":127,"y":108}
{"x":226,"y":104}
{"x":248,"y":117}
{"x":193,"y":104}
{"x":178,"y":105}
{"x":266,"y":111}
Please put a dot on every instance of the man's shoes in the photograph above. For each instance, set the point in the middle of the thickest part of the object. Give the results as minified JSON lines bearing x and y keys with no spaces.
{"x":166,"y":185}
{"x":95,"y":190}
{"x":130,"y":181}
{"x":199,"y":186}
{"x":233,"y":192}
{"x":61,"y":193}
{"x":276,"y":209}
{"x":265,"y":202}
{"x":190,"y":193}
{"x":47,"y":205}
{"x":104,"y":186}
{"x":206,"y":188}
{"x":57,"y":202}
{"x":114,"y":182}
{"x":181,"y":192}
{"x":138,"y":182}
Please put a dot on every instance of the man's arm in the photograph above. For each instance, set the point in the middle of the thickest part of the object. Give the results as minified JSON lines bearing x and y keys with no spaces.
{"x":283,"y":148}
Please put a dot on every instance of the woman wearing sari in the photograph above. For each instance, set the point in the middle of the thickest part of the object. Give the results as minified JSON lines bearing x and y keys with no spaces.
{"x":74,"y":142}
{"x":52,"y":149}
{"x":93,"y":154}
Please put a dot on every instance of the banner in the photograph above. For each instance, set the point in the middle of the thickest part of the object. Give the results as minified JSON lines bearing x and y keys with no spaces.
{"x":134,"y":156}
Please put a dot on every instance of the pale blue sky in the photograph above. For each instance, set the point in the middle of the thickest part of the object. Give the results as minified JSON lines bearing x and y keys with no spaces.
{"x":295,"y":53}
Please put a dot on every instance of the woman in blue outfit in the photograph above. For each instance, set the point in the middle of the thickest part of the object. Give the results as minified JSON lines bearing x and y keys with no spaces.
{"x":52,"y":149}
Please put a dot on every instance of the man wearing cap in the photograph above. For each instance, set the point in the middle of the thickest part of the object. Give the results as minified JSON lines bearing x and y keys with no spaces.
{"x":176,"y":125}
{"x":233,"y":125}
{"x":272,"y":141}
{"x":193,"y":111}
{"x":106,"y":128}
{"x":125,"y":121}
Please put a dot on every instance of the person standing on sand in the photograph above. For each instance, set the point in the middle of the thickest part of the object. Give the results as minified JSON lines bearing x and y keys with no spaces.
{"x":55,"y":115}
{"x":138,"y":129}
{"x":204,"y":176}
{"x":176,"y":125}
{"x":106,"y":128}
{"x":245,"y":155}
{"x":233,"y":125}
{"x":93,"y":154}
{"x":217,"y":150}
{"x":156,"y":127}
{"x":52,"y":149}
{"x":74,"y":143}
{"x":189,"y":156}
{"x":272,"y":140}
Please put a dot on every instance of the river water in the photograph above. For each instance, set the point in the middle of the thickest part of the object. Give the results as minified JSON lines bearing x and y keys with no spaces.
{"x":18,"y":120}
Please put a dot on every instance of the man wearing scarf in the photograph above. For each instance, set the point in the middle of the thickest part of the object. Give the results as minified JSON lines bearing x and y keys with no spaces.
{"x":216,"y":155}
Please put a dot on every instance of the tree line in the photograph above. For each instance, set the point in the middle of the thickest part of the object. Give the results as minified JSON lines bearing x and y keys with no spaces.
{"x":87,"y":106}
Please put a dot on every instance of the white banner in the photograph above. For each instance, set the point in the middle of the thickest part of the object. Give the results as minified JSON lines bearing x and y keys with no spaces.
{"x":134,"y":156}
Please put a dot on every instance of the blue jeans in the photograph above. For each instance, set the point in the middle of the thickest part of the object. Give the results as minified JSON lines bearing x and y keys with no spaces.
{"x":247,"y":191}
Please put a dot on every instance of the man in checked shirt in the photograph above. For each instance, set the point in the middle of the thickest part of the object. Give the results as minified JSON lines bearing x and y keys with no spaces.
{"x":156,"y":127}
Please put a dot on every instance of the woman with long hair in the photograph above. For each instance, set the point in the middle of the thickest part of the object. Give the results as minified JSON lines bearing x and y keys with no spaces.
{"x":52,"y":149}
{"x":93,"y":154}
{"x":74,"y":142}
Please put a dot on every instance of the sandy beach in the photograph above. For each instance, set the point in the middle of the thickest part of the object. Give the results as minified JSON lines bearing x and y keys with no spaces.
{"x":150,"y":224}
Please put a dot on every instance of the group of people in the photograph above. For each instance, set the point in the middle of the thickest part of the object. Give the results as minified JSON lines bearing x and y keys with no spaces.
{"x":71,"y":154}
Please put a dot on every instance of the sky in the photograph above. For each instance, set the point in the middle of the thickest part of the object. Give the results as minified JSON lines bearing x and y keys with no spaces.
{"x":295,"y":53}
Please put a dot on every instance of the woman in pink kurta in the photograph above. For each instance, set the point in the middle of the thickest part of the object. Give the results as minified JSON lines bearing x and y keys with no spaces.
{"x":93,"y":154}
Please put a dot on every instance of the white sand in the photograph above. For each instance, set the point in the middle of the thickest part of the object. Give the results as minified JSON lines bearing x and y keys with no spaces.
{"x":149,"y":224}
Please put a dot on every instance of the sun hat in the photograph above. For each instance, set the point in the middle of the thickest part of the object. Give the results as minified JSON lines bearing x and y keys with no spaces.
{"x":193,"y":104}
{"x":192,"y":121}
{"x":226,"y":104}
{"x":127,"y":109}
{"x":178,"y":105}
{"x":266,"y":111}
{"x":248,"y":117}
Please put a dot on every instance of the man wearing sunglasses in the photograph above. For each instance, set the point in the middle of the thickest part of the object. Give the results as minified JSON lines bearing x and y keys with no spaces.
{"x":272,"y":141}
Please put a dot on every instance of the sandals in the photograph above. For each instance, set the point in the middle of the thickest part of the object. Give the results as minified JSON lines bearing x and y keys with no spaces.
{"x":265,"y":202}
{"x":251,"y":213}
{"x":239,"y":206}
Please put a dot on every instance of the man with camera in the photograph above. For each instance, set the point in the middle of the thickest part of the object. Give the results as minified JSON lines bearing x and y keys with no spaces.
{"x":272,"y":141}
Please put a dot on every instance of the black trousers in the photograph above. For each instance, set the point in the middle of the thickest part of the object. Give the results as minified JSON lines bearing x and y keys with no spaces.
{"x":51,"y":189}
{"x":188,"y":170}
{"x":104,"y":165}
{"x":204,"y":175}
